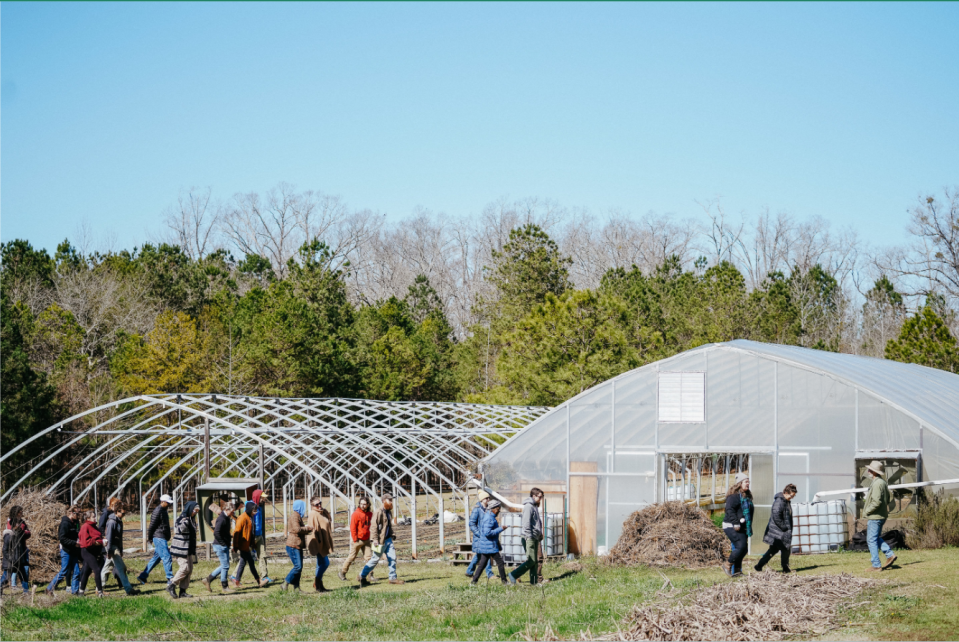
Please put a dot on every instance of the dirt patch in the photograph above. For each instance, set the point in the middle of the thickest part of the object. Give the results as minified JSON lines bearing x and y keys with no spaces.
{"x":765,"y":606}
{"x":670,"y":534}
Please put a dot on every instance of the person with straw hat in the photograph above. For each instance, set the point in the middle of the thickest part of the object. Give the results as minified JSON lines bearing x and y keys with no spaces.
{"x":875,"y":510}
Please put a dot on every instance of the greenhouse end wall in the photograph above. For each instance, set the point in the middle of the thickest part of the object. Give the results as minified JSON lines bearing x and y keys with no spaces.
{"x":806,"y":414}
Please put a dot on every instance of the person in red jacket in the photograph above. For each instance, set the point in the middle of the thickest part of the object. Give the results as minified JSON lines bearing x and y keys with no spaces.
{"x":91,"y":550}
{"x":360,"y":532}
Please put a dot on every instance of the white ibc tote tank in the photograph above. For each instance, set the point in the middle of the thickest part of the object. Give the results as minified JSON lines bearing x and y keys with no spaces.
{"x":819,"y":527}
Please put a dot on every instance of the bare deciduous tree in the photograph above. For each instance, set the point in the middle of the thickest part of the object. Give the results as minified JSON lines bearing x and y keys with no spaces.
{"x":194,"y":221}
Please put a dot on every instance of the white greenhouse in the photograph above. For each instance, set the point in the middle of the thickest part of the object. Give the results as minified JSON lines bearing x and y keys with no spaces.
{"x":680,"y":427}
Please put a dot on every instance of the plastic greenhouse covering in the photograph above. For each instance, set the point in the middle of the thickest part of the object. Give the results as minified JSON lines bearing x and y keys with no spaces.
{"x":799,"y":415}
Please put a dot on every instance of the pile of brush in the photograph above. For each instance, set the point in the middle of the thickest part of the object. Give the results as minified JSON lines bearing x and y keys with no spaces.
{"x":42,"y":514}
{"x":670,"y":534}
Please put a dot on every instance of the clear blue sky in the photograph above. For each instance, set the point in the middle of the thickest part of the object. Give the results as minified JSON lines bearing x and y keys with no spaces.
{"x":847,"y":111}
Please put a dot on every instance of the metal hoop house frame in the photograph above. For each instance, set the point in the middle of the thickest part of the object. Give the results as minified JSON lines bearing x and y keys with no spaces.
{"x":342,"y":446}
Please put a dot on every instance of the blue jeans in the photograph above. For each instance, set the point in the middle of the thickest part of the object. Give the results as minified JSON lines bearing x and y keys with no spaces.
{"x":161,"y":553}
{"x":296,"y":556}
{"x":873,"y":530}
{"x":472,"y":566}
{"x":390,"y":552}
{"x":69,"y":571}
{"x":23,"y":573}
{"x":322,"y":563}
{"x":223,"y":554}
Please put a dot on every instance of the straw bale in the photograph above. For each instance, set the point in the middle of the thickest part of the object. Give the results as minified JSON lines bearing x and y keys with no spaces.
{"x":670,"y":534}
{"x":42,"y":514}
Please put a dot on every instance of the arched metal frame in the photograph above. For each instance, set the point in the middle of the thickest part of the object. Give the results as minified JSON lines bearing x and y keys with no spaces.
{"x":345,"y":445}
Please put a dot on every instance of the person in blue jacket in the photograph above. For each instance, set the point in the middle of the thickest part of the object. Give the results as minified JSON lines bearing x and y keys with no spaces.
{"x":479,"y":509}
{"x":487,"y":544}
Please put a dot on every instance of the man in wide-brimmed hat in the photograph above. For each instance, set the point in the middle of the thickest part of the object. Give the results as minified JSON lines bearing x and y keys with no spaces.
{"x":875,"y":510}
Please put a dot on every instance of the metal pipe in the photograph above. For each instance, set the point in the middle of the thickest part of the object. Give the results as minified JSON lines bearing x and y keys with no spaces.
{"x":939,"y":482}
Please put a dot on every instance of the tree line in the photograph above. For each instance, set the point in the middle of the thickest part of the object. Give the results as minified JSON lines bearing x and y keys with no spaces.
{"x":292,"y":293}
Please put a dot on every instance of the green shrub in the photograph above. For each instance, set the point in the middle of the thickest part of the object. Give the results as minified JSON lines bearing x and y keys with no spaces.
{"x":936,"y":523}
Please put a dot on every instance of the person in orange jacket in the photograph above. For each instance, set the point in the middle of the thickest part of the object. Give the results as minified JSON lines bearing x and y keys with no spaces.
{"x":360,"y":534}
{"x":242,"y":541}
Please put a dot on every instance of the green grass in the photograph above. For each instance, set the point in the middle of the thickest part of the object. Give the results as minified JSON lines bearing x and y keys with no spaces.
{"x":437,"y":604}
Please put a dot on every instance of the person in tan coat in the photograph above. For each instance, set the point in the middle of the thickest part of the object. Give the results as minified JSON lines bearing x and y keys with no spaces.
{"x":319,"y":542}
{"x":296,"y":532}
{"x":381,"y":534}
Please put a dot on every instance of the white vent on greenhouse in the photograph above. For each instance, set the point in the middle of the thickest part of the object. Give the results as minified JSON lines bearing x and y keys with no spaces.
{"x":682,"y":397}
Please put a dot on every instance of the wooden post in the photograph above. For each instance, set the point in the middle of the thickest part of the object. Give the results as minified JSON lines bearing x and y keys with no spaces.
{"x":442,"y":522}
{"x":583,"y":504}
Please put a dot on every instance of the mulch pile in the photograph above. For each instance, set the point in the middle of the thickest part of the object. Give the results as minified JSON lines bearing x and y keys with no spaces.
{"x":42,"y":514}
{"x":764,"y":606}
{"x":670,"y":534}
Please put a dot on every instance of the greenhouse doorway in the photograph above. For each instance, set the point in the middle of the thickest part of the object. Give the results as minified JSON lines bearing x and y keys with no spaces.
{"x":703,"y":478}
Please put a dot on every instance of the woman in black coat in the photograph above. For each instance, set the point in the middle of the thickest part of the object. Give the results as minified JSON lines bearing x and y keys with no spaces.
{"x":779,"y":531}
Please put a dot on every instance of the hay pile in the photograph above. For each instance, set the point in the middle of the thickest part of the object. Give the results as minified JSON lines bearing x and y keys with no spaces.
{"x":670,"y":534}
{"x":765,"y":606}
{"x":42,"y":514}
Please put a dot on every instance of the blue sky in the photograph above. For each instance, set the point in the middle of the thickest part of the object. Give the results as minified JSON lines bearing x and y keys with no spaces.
{"x":845,"y":111}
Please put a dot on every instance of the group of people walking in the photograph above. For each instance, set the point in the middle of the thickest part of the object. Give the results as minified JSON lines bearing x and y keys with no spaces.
{"x":740,"y":510}
{"x":487,"y":549}
{"x":97,"y":544}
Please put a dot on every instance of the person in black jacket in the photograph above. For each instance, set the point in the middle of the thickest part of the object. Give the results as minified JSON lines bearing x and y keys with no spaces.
{"x":113,"y":546}
{"x":779,"y":531}
{"x":737,"y":523}
{"x":16,"y":555}
{"x":68,"y":535}
{"x":222,"y":545}
{"x":159,"y":532}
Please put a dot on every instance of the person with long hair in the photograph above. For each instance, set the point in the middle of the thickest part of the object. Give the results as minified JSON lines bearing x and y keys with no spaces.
{"x":319,"y":541}
{"x":360,"y":522}
{"x":738,"y":522}
{"x":183,"y":549}
{"x":488,"y":545}
{"x":16,"y":555}
{"x":295,"y":543}
{"x":779,"y":531}
{"x":222,"y":545}
{"x":91,"y":550}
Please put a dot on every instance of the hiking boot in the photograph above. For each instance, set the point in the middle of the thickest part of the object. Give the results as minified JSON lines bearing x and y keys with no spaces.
{"x":340,"y":574}
{"x":183,"y":593}
{"x":226,"y":589}
{"x":133,"y":591}
{"x":397,"y":582}
{"x":728,"y":568}
{"x":206,"y":583}
{"x":889,"y":561}
{"x":363,"y":581}
{"x":874,"y":568}
{"x":172,"y":591}
{"x":319,"y":587}
{"x":285,"y":586}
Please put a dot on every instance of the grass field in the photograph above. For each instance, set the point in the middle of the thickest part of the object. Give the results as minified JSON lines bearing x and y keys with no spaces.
{"x":918,"y":602}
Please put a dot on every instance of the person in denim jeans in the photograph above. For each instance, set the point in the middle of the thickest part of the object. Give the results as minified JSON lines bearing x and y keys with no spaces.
{"x":382,"y":532}
{"x":68,"y":536}
{"x":295,"y":543}
{"x":222,"y":545}
{"x":875,"y":509}
{"x":159,"y":532}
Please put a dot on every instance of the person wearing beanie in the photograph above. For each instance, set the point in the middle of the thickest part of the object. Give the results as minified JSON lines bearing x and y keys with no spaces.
{"x":183,"y":549}
{"x":159,"y":532}
{"x":488,"y":545}
{"x":382,"y":535}
{"x":738,"y":523}
{"x":222,"y":546}
{"x":875,"y":510}
{"x":479,"y":509}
